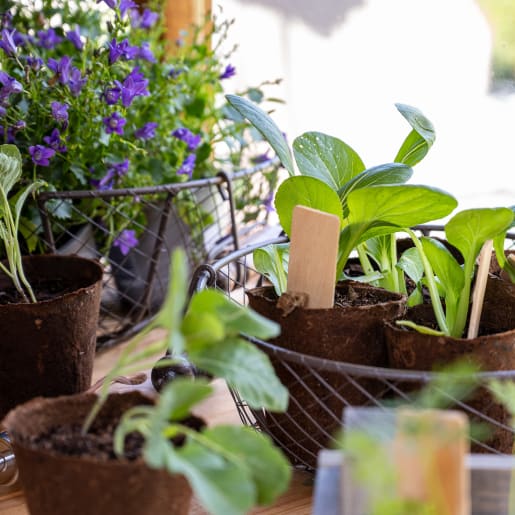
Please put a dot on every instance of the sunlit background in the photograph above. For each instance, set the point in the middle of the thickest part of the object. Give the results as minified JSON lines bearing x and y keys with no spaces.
{"x":345,"y":63}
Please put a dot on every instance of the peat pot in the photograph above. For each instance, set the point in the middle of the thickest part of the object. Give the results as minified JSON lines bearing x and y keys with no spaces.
{"x":351,"y":332}
{"x":74,"y":481}
{"x":47,"y":348}
{"x":492,"y":350}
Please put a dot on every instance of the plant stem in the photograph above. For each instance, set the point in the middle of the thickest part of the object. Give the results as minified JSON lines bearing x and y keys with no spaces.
{"x":431,"y":284}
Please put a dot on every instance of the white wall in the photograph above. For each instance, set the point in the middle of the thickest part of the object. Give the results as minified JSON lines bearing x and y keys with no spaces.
{"x":346,"y":62}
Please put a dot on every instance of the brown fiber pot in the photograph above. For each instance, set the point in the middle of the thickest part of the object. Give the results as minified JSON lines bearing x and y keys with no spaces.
{"x":55,"y":484}
{"x":492,"y":350}
{"x":47,"y":348}
{"x":352,"y":334}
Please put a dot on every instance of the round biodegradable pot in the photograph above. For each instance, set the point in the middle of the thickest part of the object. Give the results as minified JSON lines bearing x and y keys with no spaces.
{"x":492,"y":350}
{"x":352,"y":332}
{"x":48,"y":347}
{"x":55,"y":482}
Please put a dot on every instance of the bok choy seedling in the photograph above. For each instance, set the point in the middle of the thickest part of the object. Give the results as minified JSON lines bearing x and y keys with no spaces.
{"x":371,"y":203}
{"x":468,"y":230}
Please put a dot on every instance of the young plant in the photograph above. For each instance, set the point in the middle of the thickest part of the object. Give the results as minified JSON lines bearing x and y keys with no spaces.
{"x":230,"y":468}
{"x":506,"y":264}
{"x":372,"y":203}
{"x":10,"y":174}
{"x":467,"y":231}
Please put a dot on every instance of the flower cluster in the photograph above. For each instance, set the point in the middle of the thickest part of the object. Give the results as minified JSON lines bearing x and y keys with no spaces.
{"x":94,"y":98}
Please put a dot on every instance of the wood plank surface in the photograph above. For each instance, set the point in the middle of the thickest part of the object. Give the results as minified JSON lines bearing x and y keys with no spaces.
{"x":218,"y":409}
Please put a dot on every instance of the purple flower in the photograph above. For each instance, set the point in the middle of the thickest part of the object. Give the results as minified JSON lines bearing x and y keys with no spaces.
{"x":76,"y":82}
{"x":9,"y":85}
{"x":3,"y":111}
{"x":74,"y":37}
{"x":116,"y":170}
{"x":121,"y":168}
{"x":60,"y":112}
{"x":54,"y":141}
{"x":7,"y":43}
{"x":61,"y":68}
{"x":123,"y":49}
{"x":125,"y":241}
{"x":148,"y":131}
{"x":110,"y":3}
{"x":8,"y":135}
{"x":229,"y":72}
{"x":41,"y":155}
{"x":134,"y":85}
{"x":48,"y":38}
{"x":175,"y":72}
{"x":188,"y":165}
{"x":35,"y":62}
{"x":261,"y":158}
{"x":125,"y":5}
{"x":268,"y":203}
{"x":112,"y":95}
{"x":145,"y":53}
{"x":114,"y":123}
{"x":184,"y":134}
{"x":145,"y":20}
{"x":20,"y":125}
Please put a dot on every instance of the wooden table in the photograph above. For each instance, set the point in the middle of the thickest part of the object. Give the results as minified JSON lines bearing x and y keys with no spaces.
{"x":220,"y":409}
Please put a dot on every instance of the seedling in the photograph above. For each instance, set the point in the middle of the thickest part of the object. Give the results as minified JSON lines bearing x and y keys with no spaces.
{"x":444,"y":277}
{"x":10,"y":174}
{"x":371,"y":203}
{"x":230,"y":468}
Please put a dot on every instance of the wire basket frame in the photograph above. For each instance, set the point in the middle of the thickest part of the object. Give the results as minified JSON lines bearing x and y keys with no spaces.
{"x":199,"y":216}
{"x":322,"y":388}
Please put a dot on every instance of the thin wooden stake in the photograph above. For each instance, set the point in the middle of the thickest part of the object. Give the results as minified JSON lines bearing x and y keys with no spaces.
{"x":313,"y":256}
{"x":478,"y":295}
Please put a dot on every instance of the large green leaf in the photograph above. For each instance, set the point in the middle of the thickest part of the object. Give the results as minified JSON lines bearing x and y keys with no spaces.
{"x":10,"y":167}
{"x":272,"y":262}
{"x":469,"y":229}
{"x":224,"y":487}
{"x":327,"y":158}
{"x":236,"y":318}
{"x":382,"y":175}
{"x":267,"y":466}
{"x":266,"y":126}
{"x":245,"y":368}
{"x":419,"y":140}
{"x":305,"y":191}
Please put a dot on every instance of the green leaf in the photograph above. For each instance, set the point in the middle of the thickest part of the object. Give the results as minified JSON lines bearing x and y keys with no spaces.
{"x":326,"y":158}
{"x":504,"y":391}
{"x":305,"y":191}
{"x":419,"y":328}
{"x":236,"y":318}
{"x":272,"y":262}
{"x":382,"y":175}
{"x":411,"y":264}
{"x":268,"y":468}
{"x":203,"y":327}
{"x":179,"y":396}
{"x":22,"y":197}
{"x":223,"y":487}
{"x":10,"y":167}
{"x":266,"y":126}
{"x":469,"y":229}
{"x":419,"y":140}
{"x":245,"y":368}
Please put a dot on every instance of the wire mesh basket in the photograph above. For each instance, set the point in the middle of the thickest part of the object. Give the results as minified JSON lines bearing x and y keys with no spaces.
{"x":200,"y":215}
{"x":321,"y":388}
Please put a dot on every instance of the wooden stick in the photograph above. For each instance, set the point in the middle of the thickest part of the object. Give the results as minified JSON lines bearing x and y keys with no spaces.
{"x":478,"y":295}
{"x":313,"y":256}
{"x":429,"y":452}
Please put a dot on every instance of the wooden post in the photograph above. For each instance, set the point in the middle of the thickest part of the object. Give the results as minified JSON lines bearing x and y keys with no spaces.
{"x":181,"y":14}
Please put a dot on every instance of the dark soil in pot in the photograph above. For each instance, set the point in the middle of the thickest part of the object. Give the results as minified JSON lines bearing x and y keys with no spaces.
{"x":350,"y":332}
{"x":64,"y":473}
{"x":48,"y":347}
{"x":492,"y":350}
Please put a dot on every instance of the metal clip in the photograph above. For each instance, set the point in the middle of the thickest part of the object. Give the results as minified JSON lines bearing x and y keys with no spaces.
{"x":8,"y":469}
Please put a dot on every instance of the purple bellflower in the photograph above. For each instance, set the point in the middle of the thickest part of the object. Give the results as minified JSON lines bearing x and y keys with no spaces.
{"x":184,"y":134}
{"x":48,"y":38}
{"x":8,"y":43}
{"x":41,"y":155}
{"x":60,"y":112}
{"x":122,"y":49}
{"x":134,"y":85}
{"x":145,"y":20}
{"x":74,"y":37}
{"x":187,"y":166}
{"x":229,"y":72}
{"x":148,"y":131}
{"x":114,"y":123}
{"x":125,"y":241}
{"x":54,"y":141}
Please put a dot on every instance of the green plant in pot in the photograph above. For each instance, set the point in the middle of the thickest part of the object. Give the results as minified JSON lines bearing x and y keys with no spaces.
{"x":49,"y":328}
{"x":369,"y":203}
{"x":156,"y":453}
{"x":436,"y":333}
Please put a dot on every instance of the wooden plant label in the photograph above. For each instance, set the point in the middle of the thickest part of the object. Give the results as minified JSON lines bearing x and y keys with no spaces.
{"x":313,"y":256}
{"x":429,"y":453}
